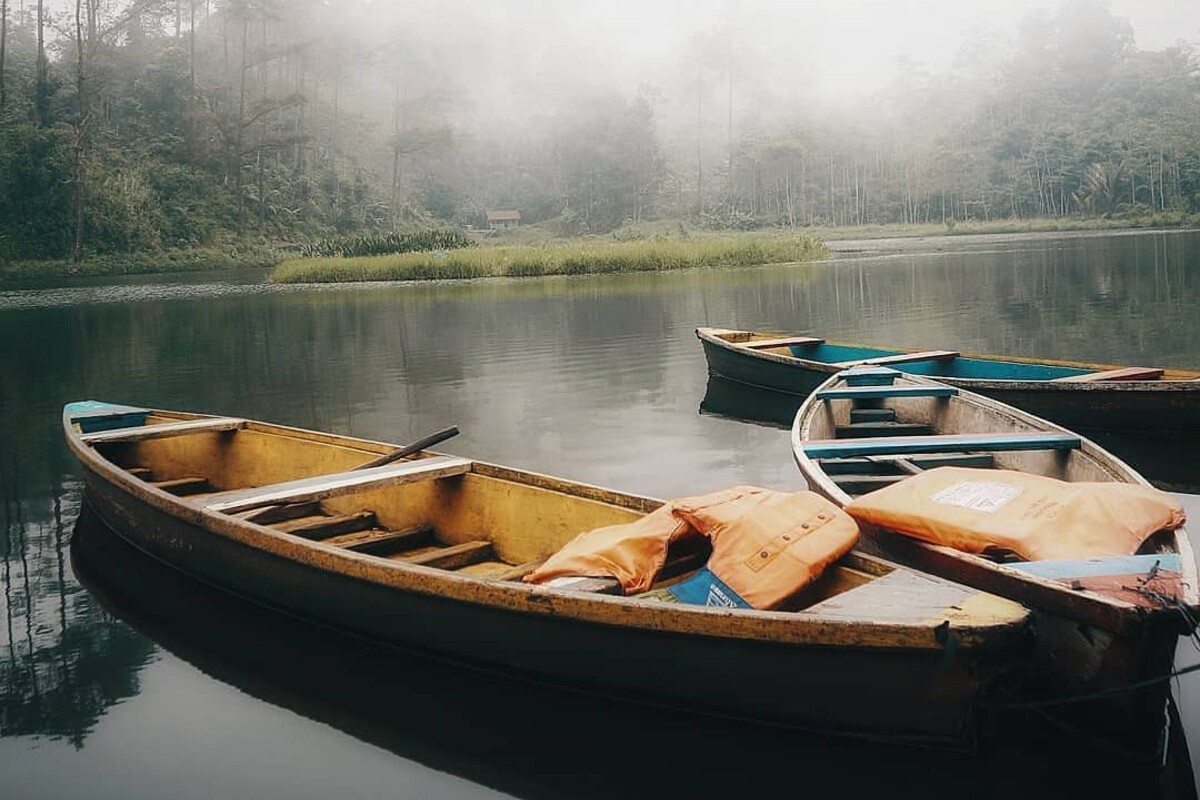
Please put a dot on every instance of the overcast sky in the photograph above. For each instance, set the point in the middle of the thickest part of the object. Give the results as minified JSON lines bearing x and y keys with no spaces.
{"x":837,"y":48}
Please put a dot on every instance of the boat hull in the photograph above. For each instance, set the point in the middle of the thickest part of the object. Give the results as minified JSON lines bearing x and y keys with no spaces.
{"x":1118,"y":406}
{"x":893,"y":694}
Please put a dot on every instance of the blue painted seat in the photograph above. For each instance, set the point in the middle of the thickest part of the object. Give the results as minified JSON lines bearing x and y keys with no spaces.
{"x":880,"y":392}
{"x":1098,"y":567}
{"x":939,"y":443}
{"x":869,"y":376}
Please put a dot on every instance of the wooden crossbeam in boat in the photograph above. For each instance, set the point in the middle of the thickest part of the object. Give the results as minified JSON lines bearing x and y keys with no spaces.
{"x":866,"y":465}
{"x":859,"y":430}
{"x":141,"y":473}
{"x":273,"y":514}
{"x":1122,"y":374}
{"x":869,"y":376}
{"x":883,"y":392}
{"x":787,"y":341}
{"x":452,"y":557}
{"x":861,"y":484}
{"x":164,"y":430}
{"x":902,"y":358}
{"x":517,"y":572}
{"x":872,"y":415}
{"x":323,"y":527}
{"x":183,"y":486}
{"x":391,"y":541}
{"x":940,"y":443}
{"x":321,"y":487}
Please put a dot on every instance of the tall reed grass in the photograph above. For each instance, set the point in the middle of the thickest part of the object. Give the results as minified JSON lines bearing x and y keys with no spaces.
{"x":572,"y":258}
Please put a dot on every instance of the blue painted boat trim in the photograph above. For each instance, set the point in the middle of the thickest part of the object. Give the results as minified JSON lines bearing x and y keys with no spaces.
{"x":961,"y":367}
{"x":95,"y":415}
{"x":1095,"y":567}
{"x":941,"y":443}
{"x":869,"y":376}
{"x":873,"y":392}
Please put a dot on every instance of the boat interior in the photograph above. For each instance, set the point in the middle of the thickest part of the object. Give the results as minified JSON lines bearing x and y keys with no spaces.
{"x":945,"y":363}
{"x":452,"y":513}
{"x":875,"y":427}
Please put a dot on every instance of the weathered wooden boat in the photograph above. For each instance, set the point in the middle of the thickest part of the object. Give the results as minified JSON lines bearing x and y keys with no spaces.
{"x":428,"y":553}
{"x":502,"y":733}
{"x":1077,"y":395}
{"x":1106,"y":626}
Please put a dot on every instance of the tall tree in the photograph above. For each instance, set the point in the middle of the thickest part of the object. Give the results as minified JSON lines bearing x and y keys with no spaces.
{"x":3,"y":44}
{"x":80,"y":135}
{"x":42,"y":83}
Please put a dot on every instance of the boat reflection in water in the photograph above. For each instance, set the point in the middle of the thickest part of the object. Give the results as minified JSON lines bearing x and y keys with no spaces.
{"x":1166,"y":460}
{"x":530,"y":740}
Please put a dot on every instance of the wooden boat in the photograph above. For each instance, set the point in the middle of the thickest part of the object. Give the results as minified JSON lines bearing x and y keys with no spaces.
{"x":864,"y":429}
{"x":1077,"y":395}
{"x":427,"y":553}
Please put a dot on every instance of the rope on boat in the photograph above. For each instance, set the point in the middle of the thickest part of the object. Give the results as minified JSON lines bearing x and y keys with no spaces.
{"x":1102,"y":694}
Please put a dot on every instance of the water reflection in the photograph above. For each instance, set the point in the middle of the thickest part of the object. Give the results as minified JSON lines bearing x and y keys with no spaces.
{"x":64,"y":661}
{"x":535,"y":741}
{"x":593,"y":378}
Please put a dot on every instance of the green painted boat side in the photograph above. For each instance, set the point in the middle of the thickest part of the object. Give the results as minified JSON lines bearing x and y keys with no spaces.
{"x":1171,"y":404}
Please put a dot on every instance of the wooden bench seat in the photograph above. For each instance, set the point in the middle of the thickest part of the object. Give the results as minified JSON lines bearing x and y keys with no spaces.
{"x":1123,"y":374}
{"x":320,"y":487}
{"x":940,"y":443}
{"x":883,"y":392}
{"x":902,"y":358}
{"x":788,"y":341}
{"x":162,"y":431}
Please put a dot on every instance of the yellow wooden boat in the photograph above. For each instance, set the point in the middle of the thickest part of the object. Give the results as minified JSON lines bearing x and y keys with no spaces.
{"x":428,"y":552}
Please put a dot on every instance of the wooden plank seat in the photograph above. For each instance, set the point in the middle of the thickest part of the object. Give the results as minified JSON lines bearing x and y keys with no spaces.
{"x":1123,"y":374}
{"x":183,"y":428}
{"x":869,"y":376}
{"x":454,"y":556}
{"x":323,"y":527}
{"x":902,"y":358}
{"x":940,"y":443}
{"x":1064,"y":569}
{"x":320,"y":487}
{"x":884,"y":392}
{"x":861,"y":484}
{"x":860,"y":430}
{"x":183,"y":486}
{"x":868,"y":465}
{"x":379,"y":541}
{"x":787,"y":341}
{"x":872,"y":415}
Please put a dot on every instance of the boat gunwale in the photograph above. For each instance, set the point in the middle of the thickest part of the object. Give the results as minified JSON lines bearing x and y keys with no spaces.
{"x":801,"y":628}
{"x":1108,"y":612}
{"x":1173,"y":379}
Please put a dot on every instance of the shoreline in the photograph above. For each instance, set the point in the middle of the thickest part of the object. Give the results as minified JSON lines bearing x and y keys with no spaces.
{"x":838,"y":242}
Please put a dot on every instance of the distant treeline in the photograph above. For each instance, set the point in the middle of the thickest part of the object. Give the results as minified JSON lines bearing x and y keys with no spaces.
{"x":142,"y":125}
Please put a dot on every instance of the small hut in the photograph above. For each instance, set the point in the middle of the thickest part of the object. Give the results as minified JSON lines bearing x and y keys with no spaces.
{"x":500,"y":218}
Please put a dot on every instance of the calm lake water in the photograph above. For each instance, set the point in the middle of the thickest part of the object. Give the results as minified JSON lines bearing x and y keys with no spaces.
{"x":119,"y":679}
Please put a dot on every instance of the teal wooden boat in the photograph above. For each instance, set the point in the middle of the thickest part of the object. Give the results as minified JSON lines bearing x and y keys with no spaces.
{"x":1080,"y":396}
{"x":1102,"y":631}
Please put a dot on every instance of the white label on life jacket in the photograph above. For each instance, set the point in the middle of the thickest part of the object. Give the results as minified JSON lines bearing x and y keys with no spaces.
{"x":984,"y":496}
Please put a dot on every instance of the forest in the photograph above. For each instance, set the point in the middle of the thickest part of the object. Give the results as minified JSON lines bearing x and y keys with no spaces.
{"x":151,"y":126}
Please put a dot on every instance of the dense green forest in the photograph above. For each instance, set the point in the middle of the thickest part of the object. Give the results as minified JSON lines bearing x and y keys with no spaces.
{"x":134,"y":126}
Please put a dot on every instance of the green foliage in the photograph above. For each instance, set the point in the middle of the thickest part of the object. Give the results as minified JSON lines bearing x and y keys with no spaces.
{"x":387,"y":244}
{"x":572,"y":258}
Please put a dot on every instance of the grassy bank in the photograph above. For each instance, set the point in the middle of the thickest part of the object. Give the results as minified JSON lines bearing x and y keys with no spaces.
{"x":569,"y":258}
{"x":192,"y":260}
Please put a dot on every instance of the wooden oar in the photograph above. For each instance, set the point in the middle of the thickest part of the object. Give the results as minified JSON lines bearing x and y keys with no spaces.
{"x":271,"y":513}
{"x":414,"y":447}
